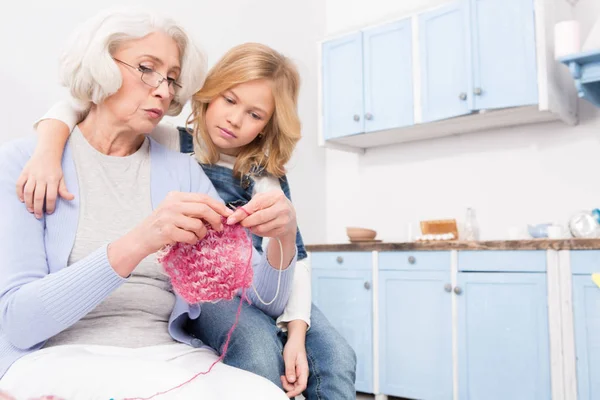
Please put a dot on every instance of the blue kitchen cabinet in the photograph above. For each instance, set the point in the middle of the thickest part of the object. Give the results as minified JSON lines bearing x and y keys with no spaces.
{"x":586,"y":317}
{"x":388,"y":75}
{"x":503,"y":336}
{"x":343,"y":86}
{"x":443,"y":63}
{"x":477,"y":55}
{"x":503,"y":53}
{"x":415,"y":306}
{"x":368,"y":81}
{"x":341,"y":288}
{"x":472,"y":56}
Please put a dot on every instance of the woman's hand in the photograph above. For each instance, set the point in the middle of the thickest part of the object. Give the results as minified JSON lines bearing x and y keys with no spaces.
{"x":295,"y":380}
{"x":181,"y":217}
{"x":268,"y":214}
{"x":42,"y":181}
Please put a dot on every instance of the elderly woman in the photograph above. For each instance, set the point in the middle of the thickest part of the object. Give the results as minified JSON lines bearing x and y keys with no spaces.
{"x":85,"y":310}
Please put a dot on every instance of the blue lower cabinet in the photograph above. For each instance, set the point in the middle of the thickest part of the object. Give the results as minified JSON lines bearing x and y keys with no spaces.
{"x":415,"y":355}
{"x":586,"y":308}
{"x":503,"y":337}
{"x":586,"y":317}
{"x":346,"y":299}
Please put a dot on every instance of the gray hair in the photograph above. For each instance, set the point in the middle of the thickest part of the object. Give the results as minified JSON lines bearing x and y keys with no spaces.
{"x":90,"y":73}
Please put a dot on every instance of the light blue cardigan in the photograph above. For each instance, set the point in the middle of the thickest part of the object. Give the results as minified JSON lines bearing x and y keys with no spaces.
{"x":39,"y":297}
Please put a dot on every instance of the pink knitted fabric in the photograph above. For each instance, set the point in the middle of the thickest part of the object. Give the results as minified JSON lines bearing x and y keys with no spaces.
{"x":213,"y":269}
{"x":216,"y":268}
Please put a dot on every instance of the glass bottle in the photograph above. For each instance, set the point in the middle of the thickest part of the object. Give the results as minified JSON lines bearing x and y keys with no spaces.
{"x":471,"y":231}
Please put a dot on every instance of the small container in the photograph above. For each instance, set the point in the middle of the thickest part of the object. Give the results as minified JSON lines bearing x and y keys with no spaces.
{"x":439,"y":227}
{"x":556,"y":232}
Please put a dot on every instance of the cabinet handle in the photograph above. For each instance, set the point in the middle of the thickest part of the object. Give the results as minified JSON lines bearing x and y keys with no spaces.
{"x":477,"y":91}
{"x":367,"y":285}
{"x":412,"y":260}
{"x":462,"y":96}
{"x":448,"y":287}
{"x":457,"y":290}
{"x":356,"y":117}
{"x":339,"y":259}
{"x":369,"y":116}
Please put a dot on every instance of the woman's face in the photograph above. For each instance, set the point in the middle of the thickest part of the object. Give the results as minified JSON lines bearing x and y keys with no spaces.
{"x":136,"y":104}
{"x":237,"y":116}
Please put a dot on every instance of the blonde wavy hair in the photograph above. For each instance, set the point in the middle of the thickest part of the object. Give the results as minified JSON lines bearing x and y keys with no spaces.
{"x":273,"y":149}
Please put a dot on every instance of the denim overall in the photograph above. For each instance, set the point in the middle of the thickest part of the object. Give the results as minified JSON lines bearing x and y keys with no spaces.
{"x":237,"y":192}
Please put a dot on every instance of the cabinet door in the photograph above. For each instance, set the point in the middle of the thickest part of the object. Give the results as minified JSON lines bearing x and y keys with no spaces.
{"x":345,"y":298}
{"x":586,"y":308}
{"x":443,"y":63}
{"x":503,"y":343}
{"x":503,"y":53}
{"x":388,"y":77}
{"x":343,"y":86}
{"x":416,"y":334}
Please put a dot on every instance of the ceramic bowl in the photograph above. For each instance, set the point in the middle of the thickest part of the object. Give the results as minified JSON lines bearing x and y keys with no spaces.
{"x":538,"y":231}
{"x":358,"y":234}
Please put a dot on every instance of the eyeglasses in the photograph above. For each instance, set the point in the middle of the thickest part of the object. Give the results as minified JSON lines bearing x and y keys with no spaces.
{"x":152,"y":78}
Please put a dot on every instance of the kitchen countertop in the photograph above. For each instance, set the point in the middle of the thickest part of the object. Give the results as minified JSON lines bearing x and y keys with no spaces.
{"x":532,"y":244}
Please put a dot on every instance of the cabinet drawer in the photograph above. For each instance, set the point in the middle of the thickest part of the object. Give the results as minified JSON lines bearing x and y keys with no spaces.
{"x":502,"y":261}
{"x":585,"y":262}
{"x":341,"y":260}
{"x":414,"y":260}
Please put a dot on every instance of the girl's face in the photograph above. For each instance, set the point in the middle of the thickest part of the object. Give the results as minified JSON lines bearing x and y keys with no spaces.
{"x":237,"y":116}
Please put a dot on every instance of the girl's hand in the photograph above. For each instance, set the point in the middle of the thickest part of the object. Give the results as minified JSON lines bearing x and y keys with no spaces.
{"x":295,"y":379}
{"x":41,"y":182}
{"x":268,"y":214}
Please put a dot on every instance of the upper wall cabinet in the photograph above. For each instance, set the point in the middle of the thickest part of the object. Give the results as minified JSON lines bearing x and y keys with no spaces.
{"x":503,"y":54}
{"x":367,"y":81}
{"x":444,"y":72}
{"x":343,"y":86}
{"x":388,"y":76}
{"x":467,"y":66}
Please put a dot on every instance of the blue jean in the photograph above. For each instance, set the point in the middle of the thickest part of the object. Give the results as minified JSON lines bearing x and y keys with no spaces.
{"x":257,"y":346}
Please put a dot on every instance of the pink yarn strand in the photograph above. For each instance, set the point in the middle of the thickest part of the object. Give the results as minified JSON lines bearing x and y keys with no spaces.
{"x":243,"y":297}
{"x":221,"y":357}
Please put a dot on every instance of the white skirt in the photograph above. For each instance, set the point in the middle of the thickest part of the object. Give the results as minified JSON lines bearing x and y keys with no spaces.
{"x":74,"y":372}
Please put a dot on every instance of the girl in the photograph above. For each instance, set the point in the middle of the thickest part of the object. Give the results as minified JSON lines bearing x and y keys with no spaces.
{"x":245,"y":127}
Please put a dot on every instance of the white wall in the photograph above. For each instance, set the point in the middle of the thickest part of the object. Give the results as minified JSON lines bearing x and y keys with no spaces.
{"x":32,"y":34}
{"x":512,"y":177}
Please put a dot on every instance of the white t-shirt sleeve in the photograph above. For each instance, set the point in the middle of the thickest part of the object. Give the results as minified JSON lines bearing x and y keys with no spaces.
{"x":266,"y":183}
{"x":299,"y":303}
{"x":63,"y":111}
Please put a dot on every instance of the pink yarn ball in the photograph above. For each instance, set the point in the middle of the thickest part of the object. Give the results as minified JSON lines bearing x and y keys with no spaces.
{"x":213,"y":269}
